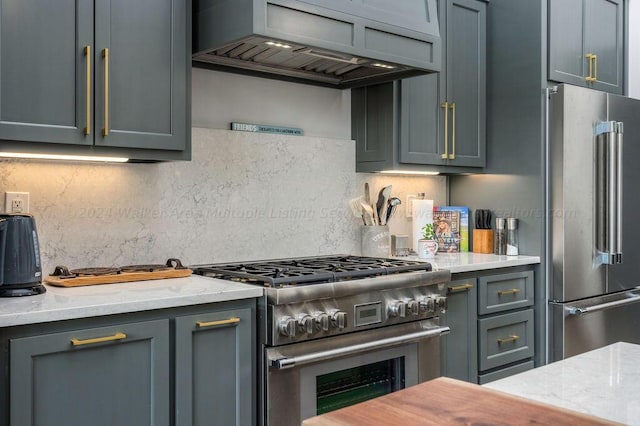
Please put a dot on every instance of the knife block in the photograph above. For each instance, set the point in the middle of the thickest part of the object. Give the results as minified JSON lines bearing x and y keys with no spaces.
{"x":483,"y":241}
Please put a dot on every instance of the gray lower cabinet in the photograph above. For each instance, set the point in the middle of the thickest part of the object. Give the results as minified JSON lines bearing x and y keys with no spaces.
{"x":491,"y":318}
{"x":99,"y":376}
{"x":459,"y":359}
{"x":192,"y":365}
{"x":213,"y":383}
{"x":94,"y":77}
{"x":586,"y":43}
{"x":431,"y":120}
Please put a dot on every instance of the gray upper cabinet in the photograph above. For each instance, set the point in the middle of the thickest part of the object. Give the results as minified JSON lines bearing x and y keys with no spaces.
{"x":431,"y":120}
{"x":107,"y":376}
{"x":586,"y":43}
{"x":96,"y":77}
{"x":144,"y":103}
{"x":43,"y":79}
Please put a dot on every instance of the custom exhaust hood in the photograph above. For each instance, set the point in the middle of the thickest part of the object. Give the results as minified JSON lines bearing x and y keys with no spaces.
{"x":334,"y":43}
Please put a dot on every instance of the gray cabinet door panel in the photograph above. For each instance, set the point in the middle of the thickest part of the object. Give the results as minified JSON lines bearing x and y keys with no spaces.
{"x":421,"y":120}
{"x":43,"y":76}
{"x":603,"y":37}
{"x":459,"y":358}
{"x":118,"y":382}
{"x":466,"y":64}
{"x":505,"y":338}
{"x":567,"y":62}
{"x":146,"y":96}
{"x":215,"y":371}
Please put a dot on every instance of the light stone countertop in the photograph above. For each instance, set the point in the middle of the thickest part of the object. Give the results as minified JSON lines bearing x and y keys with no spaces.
{"x":604,"y":383}
{"x":471,"y":262}
{"x":61,"y":303}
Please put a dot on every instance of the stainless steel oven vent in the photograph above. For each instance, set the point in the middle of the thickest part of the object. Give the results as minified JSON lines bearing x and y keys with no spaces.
{"x":327,"y":42}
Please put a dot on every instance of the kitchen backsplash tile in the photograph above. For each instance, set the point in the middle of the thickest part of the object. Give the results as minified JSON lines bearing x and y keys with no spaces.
{"x":245,"y":196}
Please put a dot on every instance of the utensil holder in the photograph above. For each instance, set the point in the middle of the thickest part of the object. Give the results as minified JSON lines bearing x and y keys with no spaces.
{"x":376,"y":241}
{"x":483,"y":241}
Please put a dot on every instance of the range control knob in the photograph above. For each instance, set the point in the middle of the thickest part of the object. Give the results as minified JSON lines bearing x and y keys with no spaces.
{"x":441,"y":303}
{"x":339,"y":319}
{"x":397,"y":309}
{"x":306,"y":324}
{"x":413,"y":307}
{"x":288,"y":326}
{"x":428,"y":304}
{"x":323,"y":320}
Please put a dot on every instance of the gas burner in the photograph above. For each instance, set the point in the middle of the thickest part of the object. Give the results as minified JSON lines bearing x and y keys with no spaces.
{"x":83,"y":272}
{"x":145,"y":268}
{"x":310,"y":270}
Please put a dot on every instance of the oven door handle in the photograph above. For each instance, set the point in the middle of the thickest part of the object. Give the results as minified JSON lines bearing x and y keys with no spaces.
{"x":284,"y":363}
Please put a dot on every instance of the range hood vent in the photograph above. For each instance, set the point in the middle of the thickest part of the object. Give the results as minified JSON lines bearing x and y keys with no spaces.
{"x":334,"y":43}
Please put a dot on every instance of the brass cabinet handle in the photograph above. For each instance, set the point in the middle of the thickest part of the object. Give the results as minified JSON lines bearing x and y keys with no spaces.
{"x":452,"y":156}
{"x":457,"y":288}
{"x":509,"y":339}
{"x":595,"y":66}
{"x":512,"y":291}
{"x":87,"y":54}
{"x":445,"y":106}
{"x":105,"y":55}
{"x":234,"y":320}
{"x":80,"y":342}
{"x":591,"y":58}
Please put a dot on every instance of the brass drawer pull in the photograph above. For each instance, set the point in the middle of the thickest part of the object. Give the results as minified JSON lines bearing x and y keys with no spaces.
{"x":512,"y":291}
{"x":230,"y":321}
{"x":457,"y":288}
{"x":87,"y":129}
{"x":593,"y":67}
{"x":80,"y":342}
{"x":510,"y":339}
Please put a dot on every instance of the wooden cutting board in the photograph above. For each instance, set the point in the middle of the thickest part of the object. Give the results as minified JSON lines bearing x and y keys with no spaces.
{"x":445,"y":401}
{"x":116,"y":278}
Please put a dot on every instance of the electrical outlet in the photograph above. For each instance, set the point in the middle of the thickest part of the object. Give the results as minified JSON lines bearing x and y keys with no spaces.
{"x":16,"y":202}
{"x":409,"y":208}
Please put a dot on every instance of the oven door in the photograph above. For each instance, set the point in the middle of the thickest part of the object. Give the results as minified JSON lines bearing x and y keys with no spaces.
{"x":315,"y":377}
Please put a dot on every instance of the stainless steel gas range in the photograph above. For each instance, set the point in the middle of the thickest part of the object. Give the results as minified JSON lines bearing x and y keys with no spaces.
{"x":338,"y":330}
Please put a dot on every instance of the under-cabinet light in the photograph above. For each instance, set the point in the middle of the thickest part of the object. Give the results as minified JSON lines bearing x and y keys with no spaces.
{"x":409,"y":172}
{"x":28,"y":155}
{"x":379,"y":65}
{"x":276,"y":44}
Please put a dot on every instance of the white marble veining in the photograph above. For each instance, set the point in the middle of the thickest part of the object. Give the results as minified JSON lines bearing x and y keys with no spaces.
{"x":244,"y":196}
{"x":470,"y":262}
{"x":61,"y":303}
{"x":604,"y":382}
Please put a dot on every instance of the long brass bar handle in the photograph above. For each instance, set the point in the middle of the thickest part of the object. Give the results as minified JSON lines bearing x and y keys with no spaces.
{"x":594,"y":57}
{"x":452,"y":156}
{"x":80,"y":342}
{"x":509,"y":339}
{"x":87,"y":54}
{"x":459,"y":288}
{"x":445,"y":106}
{"x":105,"y":55}
{"x":230,"y":321}
{"x":590,"y":57}
{"x":512,"y":291}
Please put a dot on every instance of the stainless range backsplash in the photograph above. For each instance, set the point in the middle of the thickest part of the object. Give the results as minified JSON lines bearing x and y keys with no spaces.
{"x":245,"y":196}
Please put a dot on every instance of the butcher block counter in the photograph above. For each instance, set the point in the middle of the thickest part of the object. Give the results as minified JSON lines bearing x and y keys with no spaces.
{"x":447,"y":401}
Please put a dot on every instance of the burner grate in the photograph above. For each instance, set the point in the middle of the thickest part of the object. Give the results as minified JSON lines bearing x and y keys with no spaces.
{"x":310,"y":270}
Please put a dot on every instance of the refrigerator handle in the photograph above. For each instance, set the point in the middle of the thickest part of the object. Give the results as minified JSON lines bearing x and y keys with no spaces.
{"x":609,"y":192}
{"x":572,"y":310}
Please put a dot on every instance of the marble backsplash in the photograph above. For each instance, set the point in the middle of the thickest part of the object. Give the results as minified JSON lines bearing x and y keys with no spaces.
{"x":244,"y":196}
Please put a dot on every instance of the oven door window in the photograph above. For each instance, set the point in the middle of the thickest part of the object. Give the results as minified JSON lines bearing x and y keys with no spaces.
{"x":353,"y":385}
{"x":338,"y":383}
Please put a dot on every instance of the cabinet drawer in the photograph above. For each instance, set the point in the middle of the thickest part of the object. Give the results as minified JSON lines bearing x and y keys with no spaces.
{"x":505,"y":372}
{"x":505,"y":338}
{"x":504,"y":292}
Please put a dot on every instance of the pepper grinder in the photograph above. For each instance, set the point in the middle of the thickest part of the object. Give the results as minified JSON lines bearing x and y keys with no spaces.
{"x":500,"y":243}
{"x":512,"y":237}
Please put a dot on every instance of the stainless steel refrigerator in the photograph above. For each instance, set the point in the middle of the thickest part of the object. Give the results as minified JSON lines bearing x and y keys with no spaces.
{"x":594,"y":185}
